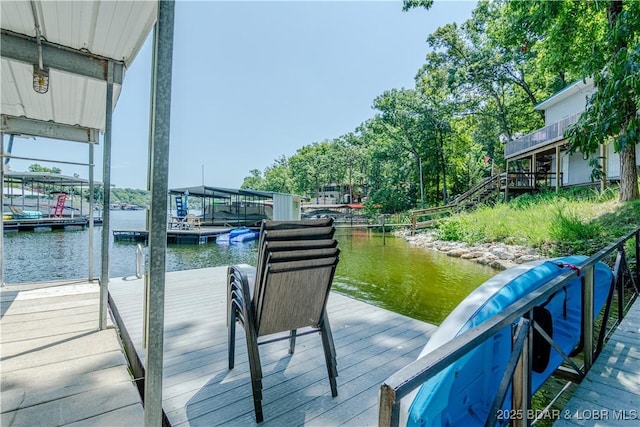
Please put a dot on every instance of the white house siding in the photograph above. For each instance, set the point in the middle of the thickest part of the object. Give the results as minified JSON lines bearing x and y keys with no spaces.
{"x":575,"y":169}
{"x":569,"y":107}
{"x":613,"y":163}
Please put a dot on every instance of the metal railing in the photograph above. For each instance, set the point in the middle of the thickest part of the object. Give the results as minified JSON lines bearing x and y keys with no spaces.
{"x":540,"y":137}
{"x":518,"y":370}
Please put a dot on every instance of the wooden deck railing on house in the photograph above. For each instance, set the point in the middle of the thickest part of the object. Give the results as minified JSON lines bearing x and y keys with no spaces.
{"x":528,"y":180}
{"x":540,"y":137}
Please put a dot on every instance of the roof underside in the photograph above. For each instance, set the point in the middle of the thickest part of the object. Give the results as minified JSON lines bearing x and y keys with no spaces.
{"x":45,"y":178}
{"x":79,"y":39}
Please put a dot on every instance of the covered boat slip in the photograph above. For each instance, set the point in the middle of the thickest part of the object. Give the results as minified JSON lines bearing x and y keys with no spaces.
{"x":199,"y":389}
{"x":230,"y":207}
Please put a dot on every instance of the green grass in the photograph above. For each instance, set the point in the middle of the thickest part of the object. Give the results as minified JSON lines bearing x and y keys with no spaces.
{"x":568,"y":222}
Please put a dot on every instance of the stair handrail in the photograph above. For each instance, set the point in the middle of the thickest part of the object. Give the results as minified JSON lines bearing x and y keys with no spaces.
{"x":454,"y":205}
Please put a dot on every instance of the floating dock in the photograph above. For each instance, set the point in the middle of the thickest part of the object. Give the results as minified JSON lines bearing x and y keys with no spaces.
{"x":47,"y":223}
{"x":200,"y":235}
{"x":199,"y":389}
{"x":58,"y":368}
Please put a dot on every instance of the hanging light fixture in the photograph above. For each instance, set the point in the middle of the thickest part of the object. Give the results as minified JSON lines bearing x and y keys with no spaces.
{"x":40,"y":79}
{"x":40,"y":72}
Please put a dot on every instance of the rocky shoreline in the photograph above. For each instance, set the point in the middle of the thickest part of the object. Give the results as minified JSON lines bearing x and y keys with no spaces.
{"x":496,"y":255}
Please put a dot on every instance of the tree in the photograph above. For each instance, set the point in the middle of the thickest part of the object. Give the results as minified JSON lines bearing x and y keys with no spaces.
{"x":38,"y":168}
{"x":613,"y":112}
{"x":254,"y":181}
{"x":605,"y":38}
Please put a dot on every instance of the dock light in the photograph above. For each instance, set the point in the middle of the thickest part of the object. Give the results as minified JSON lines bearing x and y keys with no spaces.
{"x":40,"y":79}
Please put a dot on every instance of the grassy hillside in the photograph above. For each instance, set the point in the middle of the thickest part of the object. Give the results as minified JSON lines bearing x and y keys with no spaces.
{"x":569,"y":222}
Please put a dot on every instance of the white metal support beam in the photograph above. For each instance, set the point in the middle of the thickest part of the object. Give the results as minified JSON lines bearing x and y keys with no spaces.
{"x":22,"y":48}
{"x":106,"y":201}
{"x":30,"y":127}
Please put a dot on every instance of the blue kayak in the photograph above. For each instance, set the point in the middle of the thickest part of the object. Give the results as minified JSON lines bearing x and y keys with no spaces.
{"x":463,"y":393}
{"x":237,"y":235}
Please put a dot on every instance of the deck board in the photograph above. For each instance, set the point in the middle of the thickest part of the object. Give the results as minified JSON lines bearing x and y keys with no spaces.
{"x":609,"y":394}
{"x":57,"y":367}
{"x":198,"y":389}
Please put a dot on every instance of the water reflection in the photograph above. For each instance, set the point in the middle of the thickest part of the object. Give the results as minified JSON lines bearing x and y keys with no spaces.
{"x":413,"y":281}
{"x":408,"y":280}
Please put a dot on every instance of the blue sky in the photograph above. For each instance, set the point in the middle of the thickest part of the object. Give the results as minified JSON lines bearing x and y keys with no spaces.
{"x":253,"y":81}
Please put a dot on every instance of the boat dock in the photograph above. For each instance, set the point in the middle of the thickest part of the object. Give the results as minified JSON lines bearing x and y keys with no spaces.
{"x":609,"y":394}
{"x":200,"y":235}
{"x":46,"y":223}
{"x":57,"y":367}
{"x":199,"y":389}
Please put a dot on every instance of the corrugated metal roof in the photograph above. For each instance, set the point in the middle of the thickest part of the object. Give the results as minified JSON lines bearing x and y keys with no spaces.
{"x":220,"y":192}
{"x":46,"y":178}
{"x":92,"y":31}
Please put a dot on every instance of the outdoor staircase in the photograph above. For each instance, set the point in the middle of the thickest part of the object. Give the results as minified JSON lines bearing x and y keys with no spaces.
{"x":485,"y":192}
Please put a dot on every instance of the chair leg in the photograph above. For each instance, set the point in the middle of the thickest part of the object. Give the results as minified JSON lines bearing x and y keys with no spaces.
{"x":231,"y":330}
{"x":256,"y":371}
{"x":292,"y":341}
{"x":329,"y":353}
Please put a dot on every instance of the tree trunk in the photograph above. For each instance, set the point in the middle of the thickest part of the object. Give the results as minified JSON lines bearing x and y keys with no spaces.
{"x":628,"y":174}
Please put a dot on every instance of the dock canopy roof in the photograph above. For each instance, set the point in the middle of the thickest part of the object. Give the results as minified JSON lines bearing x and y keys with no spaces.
{"x":48,"y":178}
{"x":220,"y":192}
{"x":81,"y":45}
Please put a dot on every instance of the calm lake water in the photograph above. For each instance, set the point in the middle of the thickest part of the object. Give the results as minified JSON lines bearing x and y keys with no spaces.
{"x":408,"y":280}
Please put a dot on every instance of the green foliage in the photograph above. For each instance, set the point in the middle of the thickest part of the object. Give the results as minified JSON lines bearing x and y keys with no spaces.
{"x":38,"y":168}
{"x":576,"y":221}
{"x":573,"y":234}
{"x":130,"y":196}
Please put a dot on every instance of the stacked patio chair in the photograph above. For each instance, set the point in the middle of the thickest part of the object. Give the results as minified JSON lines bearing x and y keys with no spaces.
{"x":285,"y":292}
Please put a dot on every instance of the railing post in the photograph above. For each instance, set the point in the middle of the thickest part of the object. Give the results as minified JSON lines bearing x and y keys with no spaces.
{"x":637,"y":281}
{"x":389,"y":415}
{"x":521,"y":382}
{"x":413,"y":223}
{"x":587,"y":316}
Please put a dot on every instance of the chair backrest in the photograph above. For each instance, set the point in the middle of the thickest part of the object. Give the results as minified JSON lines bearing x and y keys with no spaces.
{"x":294,"y":294}
{"x":292,"y":235}
{"x":296,"y":265}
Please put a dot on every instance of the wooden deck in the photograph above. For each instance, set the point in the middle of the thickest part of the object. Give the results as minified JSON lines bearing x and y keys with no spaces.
{"x":57,"y":367}
{"x":610,"y":393}
{"x":45,"y":223}
{"x":198,"y":389}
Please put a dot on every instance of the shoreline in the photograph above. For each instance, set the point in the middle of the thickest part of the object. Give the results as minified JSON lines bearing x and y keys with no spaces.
{"x":499,"y":256}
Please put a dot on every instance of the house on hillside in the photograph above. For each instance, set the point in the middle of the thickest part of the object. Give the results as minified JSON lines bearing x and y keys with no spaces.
{"x":541,"y":158}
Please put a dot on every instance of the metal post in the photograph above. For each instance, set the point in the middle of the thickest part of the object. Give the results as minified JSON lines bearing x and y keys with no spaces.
{"x":106,"y":172}
{"x":521,"y":381}
{"x":2,"y":209}
{"x":159,"y":162}
{"x":587,"y":317}
{"x":91,"y":216}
